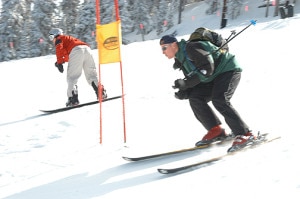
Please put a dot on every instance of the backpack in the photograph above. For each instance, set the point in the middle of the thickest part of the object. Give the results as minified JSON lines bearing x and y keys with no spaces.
{"x":204,"y":34}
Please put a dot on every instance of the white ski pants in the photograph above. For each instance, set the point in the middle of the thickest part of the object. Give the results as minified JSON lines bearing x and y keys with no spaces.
{"x":80,"y":58}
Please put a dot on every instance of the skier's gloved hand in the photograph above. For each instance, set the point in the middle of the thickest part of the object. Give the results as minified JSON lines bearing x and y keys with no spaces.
{"x":60,"y":67}
{"x":180,"y":84}
{"x":181,"y":94}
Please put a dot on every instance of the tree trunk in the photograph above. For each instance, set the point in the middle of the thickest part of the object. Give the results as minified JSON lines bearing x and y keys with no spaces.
{"x":224,"y":11}
{"x":267,"y":8}
{"x":179,"y":11}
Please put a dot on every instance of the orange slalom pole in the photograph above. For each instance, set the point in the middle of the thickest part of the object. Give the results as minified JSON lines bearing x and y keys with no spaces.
{"x":121,"y":72}
{"x":99,"y":83}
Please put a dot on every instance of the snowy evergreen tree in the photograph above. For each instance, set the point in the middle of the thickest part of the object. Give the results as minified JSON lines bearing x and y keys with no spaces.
{"x":86,"y":27}
{"x":107,"y":11}
{"x":24,"y":24}
{"x":38,"y":42}
{"x":141,"y":14}
{"x":131,"y":14}
{"x":25,"y":37}
{"x":11,"y":24}
{"x":150,"y":6}
{"x":69,"y":19}
{"x":214,"y":5}
{"x":163,"y":9}
{"x":235,"y":7}
{"x":154,"y":13}
{"x":44,"y":15}
{"x":127,"y":24}
{"x":24,"y":41}
{"x":173,"y":7}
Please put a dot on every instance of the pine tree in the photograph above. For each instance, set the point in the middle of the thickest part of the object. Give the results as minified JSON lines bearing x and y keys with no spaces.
{"x":85,"y":29}
{"x":70,"y":12}
{"x":10,"y":28}
{"x":25,"y":37}
{"x":141,"y":16}
{"x":107,"y":11}
{"x":149,"y":14}
{"x":170,"y":14}
{"x":163,"y":9}
{"x":126,"y":18}
{"x":44,"y":15}
{"x":24,"y":24}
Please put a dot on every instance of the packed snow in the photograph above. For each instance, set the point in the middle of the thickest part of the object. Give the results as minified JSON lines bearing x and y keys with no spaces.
{"x":60,"y":156}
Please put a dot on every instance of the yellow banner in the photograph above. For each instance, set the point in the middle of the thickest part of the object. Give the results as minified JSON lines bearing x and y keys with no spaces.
{"x":109,"y":40}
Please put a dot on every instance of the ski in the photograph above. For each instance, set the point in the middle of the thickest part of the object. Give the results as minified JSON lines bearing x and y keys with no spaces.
{"x":158,"y":155}
{"x":184,"y":168}
{"x":79,"y":105}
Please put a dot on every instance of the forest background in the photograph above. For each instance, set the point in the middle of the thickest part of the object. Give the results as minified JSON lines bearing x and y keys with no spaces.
{"x":24,"y":24}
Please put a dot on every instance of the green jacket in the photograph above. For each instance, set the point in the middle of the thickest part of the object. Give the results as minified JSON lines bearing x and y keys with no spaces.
{"x":201,"y":61}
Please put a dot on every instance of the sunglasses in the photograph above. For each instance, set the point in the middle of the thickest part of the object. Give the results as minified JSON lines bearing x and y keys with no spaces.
{"x":164,"y":47}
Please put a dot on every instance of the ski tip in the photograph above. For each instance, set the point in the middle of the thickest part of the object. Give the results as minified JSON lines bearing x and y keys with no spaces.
{"x":253,"y":22}
{"x":127,"y":158}
{"x":231,"y":150}
{"x":163,"y":171}
{"x":131,"y":159}
{"x":47,"y":111}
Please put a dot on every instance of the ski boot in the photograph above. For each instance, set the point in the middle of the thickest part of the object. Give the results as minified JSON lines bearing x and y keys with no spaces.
{"x":95,"y":87}
{"x":104,"y":94}
{"x":215,"y":134}
{"x":242,"y":141}
{"x":73,"y":101}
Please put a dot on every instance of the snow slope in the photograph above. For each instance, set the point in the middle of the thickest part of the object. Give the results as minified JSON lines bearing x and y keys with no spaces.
{"x":59,"y":155}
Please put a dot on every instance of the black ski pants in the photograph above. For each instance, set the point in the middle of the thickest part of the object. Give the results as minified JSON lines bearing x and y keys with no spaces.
{"x":219,"y":92}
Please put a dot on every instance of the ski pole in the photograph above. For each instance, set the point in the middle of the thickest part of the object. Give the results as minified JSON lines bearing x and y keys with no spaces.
{"x":252,"y":22}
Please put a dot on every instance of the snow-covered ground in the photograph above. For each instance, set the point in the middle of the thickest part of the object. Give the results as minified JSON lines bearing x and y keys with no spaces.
{"x":59,"y":156}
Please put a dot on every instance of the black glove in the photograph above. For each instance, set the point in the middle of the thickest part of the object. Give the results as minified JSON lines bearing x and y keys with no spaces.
{"x":182,"y":94}
{"x":60,"y":67}
{"x":180,"y":84}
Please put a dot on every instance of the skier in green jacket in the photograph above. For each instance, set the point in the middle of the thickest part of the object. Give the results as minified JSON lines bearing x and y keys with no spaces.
{"x":211,"y":74}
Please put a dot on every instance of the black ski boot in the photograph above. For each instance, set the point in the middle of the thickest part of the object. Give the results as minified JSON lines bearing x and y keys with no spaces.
{"x":95,"y":87}
{"x":73,"y":101}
